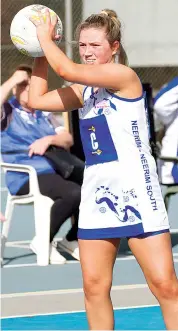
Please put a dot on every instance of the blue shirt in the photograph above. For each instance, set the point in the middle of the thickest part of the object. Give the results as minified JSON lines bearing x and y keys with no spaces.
{"x":24,"y":128}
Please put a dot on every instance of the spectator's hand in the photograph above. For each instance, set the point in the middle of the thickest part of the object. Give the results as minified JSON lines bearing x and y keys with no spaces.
{"x":40,"y":146}
{"x":19,"y":77}
{"x":2,"y":218}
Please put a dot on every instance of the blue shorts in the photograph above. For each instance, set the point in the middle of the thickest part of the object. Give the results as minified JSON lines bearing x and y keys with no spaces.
{"x":149,"y":234}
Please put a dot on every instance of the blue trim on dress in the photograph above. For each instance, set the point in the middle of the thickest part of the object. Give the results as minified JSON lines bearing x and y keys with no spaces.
{"x":114,"y":232}
{"x":84,"y":91}
{"x":125,"y":99}
{"x":149,"y":234}
{"x":174,"y":171}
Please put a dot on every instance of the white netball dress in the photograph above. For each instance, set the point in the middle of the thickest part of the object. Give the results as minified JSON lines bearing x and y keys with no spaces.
{"x":121,"y":196}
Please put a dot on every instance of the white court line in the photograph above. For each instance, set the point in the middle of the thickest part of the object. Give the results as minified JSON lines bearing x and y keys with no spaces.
{"x":127,"y":258}
{"x":69,"y":291}
{"x":35,"y":265}
{"x":19,"y":242}
{"x":119,"y":258}
{"x":11,"y":243}
{"x":19,"y":246}
{"x":20,"y":265}
{"x":78,"y":311}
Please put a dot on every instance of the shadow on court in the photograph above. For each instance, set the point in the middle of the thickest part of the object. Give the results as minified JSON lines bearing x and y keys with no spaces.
{"x":28,"y":257}
{"x":8,"y":260}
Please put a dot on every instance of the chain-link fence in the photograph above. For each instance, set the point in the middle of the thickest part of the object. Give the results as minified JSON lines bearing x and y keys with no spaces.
{"x":11,"y":57}
{"x":156,"y":76}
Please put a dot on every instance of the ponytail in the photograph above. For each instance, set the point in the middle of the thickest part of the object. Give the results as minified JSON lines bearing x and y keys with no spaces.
{"x":123,"y":59}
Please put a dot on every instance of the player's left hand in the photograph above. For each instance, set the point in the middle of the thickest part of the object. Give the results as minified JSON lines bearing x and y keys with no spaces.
{"x":45,"y":25}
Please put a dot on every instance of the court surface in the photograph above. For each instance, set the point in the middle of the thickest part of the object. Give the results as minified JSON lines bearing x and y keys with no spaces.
{"x":51,"y":298}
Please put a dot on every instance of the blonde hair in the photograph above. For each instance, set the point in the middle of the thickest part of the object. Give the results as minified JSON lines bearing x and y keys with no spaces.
{"x":108,"y":20}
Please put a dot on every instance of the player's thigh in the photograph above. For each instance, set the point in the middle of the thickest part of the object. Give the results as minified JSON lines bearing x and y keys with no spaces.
{"x":154,"y":254}
{"x":97,"y":259}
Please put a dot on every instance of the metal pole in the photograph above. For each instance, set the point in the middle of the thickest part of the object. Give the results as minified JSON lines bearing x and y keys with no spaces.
{"x":68,"y":48}
{"x":68,"y":27}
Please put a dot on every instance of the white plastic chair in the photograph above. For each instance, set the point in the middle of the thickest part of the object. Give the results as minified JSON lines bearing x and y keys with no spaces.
{"x":42,"y":208}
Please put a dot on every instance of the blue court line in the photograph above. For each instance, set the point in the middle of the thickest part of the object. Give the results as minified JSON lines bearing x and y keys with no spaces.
{"x":143,"y":318}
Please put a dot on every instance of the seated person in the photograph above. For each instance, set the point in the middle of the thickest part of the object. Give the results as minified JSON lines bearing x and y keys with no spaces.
{"x":27,"y":129}
{"x":166,"y":113}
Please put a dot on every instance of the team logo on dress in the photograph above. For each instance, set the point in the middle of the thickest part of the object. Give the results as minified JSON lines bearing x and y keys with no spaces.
{"x":98,"y":152}
{"x":94,"y":143}
{"x":104,"y":107}
{"x":123,"y":211}
{"x":92,"y":128}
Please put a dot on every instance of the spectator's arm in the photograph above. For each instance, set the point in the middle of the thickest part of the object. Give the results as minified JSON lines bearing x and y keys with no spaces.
{"x":56,"y":120}
{"x":62,"y":139}
{"x":18,"y":77}
{"x":5,"y":90}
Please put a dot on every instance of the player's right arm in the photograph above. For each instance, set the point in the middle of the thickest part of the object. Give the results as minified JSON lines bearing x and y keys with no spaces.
{"x":61,"y":99}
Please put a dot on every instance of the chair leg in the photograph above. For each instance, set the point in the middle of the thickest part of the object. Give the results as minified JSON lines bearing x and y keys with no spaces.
{"x":42,"y":210}
{"x":6,"y":224}
{"x":166,"y":201}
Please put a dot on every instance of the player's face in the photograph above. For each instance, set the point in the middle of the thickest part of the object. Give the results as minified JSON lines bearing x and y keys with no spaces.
{"x":94,"y":47}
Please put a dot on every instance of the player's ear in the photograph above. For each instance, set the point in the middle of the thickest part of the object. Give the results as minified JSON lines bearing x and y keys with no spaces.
{"x":115,"y":47}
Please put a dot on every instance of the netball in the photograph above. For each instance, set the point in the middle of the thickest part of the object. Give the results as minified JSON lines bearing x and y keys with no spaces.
{"x":23,"y":31}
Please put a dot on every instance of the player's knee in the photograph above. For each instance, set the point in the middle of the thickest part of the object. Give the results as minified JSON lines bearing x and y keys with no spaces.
{"x":166,"y":289}
{"x":96,"y":287}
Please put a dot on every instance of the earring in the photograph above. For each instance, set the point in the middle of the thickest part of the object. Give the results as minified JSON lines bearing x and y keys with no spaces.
{"x":116,"y":58}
